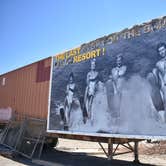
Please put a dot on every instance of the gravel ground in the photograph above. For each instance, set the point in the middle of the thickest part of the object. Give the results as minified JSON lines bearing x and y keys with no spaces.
{"x":8,"y":162}
{"x":82,"y":153}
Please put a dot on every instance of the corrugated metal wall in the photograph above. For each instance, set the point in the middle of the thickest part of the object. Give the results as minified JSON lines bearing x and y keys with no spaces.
{"x":26,"y":89}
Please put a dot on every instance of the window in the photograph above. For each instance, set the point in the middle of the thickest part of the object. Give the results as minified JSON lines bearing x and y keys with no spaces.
{"x":3,"y":81}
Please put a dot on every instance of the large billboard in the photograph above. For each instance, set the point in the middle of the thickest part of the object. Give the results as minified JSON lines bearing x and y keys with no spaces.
{"x":113,"y":85}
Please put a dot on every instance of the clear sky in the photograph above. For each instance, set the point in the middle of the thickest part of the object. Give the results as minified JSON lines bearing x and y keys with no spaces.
{"x":31,"y":30}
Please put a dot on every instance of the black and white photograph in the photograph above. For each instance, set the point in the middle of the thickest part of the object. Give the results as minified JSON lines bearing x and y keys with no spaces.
{"x":120,"y":92}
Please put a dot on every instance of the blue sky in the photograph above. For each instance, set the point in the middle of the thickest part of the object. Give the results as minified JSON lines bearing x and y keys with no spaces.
{"x":31,"y":30}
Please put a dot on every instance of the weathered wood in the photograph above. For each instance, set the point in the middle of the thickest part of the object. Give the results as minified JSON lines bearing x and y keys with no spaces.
{"x":92,"y":138}
{"x":42,"y":162}
{"x":6,"y":151}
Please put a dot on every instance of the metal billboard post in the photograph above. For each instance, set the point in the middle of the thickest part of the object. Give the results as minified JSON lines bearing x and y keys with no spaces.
{"x":136,"y":153}
{"x":110,"y":149}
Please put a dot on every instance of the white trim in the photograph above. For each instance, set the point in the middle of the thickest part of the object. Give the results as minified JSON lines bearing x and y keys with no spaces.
{"x":159,"y":138}
{"x":49,"y":95}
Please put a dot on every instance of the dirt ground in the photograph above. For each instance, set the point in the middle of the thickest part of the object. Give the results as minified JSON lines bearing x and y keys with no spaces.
{"x":149,"y":153}
{"x":75,"y":153}
{"x":8,"y":162}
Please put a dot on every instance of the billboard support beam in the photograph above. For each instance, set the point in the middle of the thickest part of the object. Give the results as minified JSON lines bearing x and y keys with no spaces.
{"x":113,"y":151}
{"x":103,"y":149}
{"x":136,"y":159}
{"x":110,"y":149}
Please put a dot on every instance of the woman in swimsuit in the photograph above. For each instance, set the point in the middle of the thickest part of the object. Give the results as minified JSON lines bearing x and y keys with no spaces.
{"x":70,"y":89}
{"x":92,"y":79}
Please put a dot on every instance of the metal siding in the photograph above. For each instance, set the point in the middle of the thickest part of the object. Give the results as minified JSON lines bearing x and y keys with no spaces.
{"x":24,"y":93}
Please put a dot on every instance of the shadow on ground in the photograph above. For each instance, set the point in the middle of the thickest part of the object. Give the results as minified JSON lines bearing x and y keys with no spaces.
{"x":60,"y":158}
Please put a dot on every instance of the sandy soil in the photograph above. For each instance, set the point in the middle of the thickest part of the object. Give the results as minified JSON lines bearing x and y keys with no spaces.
{"x":8,"y":162}
{"x":151,"y":154}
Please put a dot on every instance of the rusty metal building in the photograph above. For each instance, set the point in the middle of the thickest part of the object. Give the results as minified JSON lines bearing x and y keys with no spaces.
{"x":26,"y":89}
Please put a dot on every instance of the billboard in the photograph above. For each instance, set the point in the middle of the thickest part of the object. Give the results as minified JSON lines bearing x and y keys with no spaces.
{"x":113,"y":85}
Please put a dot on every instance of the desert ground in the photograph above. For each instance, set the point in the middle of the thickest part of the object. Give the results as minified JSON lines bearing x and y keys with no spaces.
{"x":75,"y":153}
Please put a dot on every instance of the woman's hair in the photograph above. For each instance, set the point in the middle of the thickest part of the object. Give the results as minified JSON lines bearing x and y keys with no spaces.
{"x":93,"y":61}
{"x":71,"y":75}
{"x":161,"y":45}
{"x":120,"y":55}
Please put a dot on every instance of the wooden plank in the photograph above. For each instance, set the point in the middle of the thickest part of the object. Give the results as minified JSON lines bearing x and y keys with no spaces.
{"x":42,"y":162}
